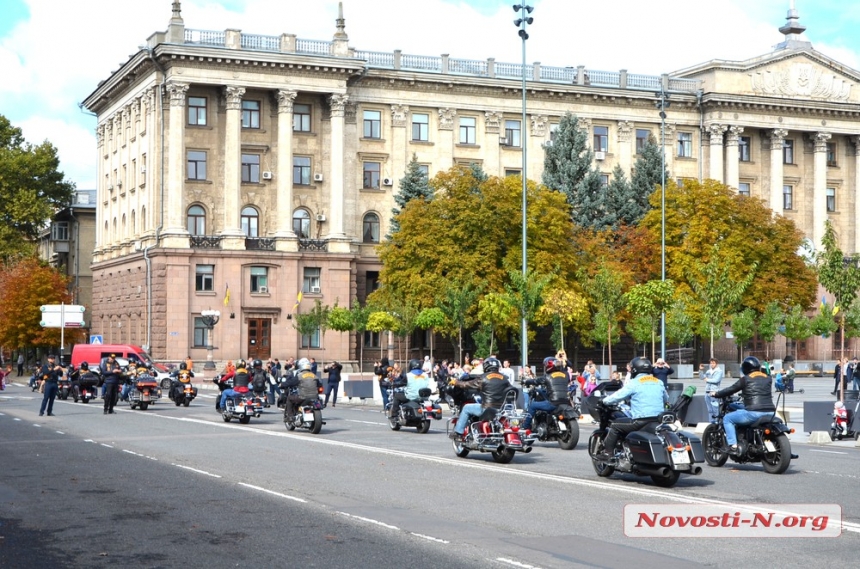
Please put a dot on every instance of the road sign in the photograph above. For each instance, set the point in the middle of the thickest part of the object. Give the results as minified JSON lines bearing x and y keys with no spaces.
{"x":96,"y":339}
{"x":57,"y":315}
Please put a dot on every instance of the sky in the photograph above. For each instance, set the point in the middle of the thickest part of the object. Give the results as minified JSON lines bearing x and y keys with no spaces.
{"x":53,"y":53}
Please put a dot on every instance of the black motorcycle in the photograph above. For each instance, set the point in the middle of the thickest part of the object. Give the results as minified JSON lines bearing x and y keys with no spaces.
{"x":561,"y":425}
{"x":765,"y":441}
{"x":413,"y":413}
{"x":64,"y":388}
{"x":658,"y":450}
{"x":308,"y":415}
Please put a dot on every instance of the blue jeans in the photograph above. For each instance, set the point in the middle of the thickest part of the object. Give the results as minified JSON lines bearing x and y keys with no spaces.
{"x":51,"y":389}
{"x":537,"y":406}
{"x":384,"y":391}
{"x":468,"y":412}
{"x":713,"y":406}
{"x":275,"y":392}
{"x":740,"y":417}
{"x":225,"y":394}
{"x":126,"y":389}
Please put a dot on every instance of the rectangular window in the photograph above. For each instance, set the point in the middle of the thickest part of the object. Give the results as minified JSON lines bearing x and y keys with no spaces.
{"x":642,"y":137}
{"x":788,"y":152}
{"x":831,"y":200}
{"x":301,"y":170}
{"x":604,"y":180}
{"x":553,"y":131}
{"x":512,"y":133}
{"x":744,"y":145}
{"x":512,"y":172}
{"x":372,"y":124}
{"x":197,"y":111}
{"x":204,"y":280}
{"x":371,"y":339}
{"x":787,"y":197}
{"x":371,"y":172}
{"x":259,"y":279}
{"x":744,"y":189}
{"x":200,"y":332}
{"x":311,"y":280}
{"x":250,"y":114}
{"x":601,"y":138}
{"x":420,"y":127}
{"x":196,"y":165}
{"x":312,"y":341}
{"x":251,"y":168}
{"x":302,"y":118}
{"x":468,"y":130}
{"x":685,"y":144}
{"x":831,"y":154}
{"x":60,"y":231}
{"x":425,"y":169}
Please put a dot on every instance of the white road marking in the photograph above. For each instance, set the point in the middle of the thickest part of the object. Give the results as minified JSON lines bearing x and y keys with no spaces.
{"x":368,"y":520}
{"x":60,"y":433}
{"x":365,"y":422}
{"x":132,"y":452}
{"x":429,"y":537}
{"x":515,"y":563}
{"x":828,"y":451}
{"x":104,"y":445}
{"x":267,"y":491}
{"x":198,"y":471}
{"x":16,"y":419}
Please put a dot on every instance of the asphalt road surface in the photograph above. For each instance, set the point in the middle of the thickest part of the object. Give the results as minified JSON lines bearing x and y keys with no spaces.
{"x":178,"y":487}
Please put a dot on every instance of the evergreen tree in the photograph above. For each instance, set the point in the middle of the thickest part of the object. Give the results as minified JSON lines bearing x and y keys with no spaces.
{"x":568,"y":169}
{"x":413,"y":185}
{"x":647,"y":175}
{"x":623,"y":207}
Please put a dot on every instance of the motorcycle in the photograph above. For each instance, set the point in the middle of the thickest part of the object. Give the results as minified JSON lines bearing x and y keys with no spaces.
{"x":561,"y":425}
{"x":241,"y":407}
{"x":498,"y":432}
{"x":88,"y":388}
{"x":144,"y":391}
{"x":765,"y":441}
{"x":414,"y":413}
{"x":183,"y":395}
{"x":659,"y":449}
{"x":308,"y":415}
{"x":64,"y":387}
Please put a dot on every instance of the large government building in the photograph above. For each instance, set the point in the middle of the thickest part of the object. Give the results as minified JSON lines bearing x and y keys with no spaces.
{"x":238,"y":170}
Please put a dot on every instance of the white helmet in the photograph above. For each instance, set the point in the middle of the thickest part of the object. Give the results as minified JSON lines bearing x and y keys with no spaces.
{"x":839,"y":405}
{"x":304,"y":364}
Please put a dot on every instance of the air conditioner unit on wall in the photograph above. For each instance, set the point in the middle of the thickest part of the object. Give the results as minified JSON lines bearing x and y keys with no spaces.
{"x":267,"y":175}
{"x":387,"y":182}
{"x":143,"y":169}
{"x":315,"y":289}
{"x":263,"y":289}
{"x":548,"y":144}
{"x":599,"y":155}
{"x":318,"y":177}
{"x":321,"y":217}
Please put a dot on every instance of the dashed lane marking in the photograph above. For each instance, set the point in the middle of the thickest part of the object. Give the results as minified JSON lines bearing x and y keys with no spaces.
{"x":197,"y":471}
{"x":369,"y":520}
{"x":515,"y":563}
{"x":272,"y":492}
{"x":429,"y":537}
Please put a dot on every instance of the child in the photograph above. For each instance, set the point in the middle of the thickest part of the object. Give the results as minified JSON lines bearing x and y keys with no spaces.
{"x":840,"y":418}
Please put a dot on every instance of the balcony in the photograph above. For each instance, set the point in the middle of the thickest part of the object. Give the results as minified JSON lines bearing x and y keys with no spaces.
{"x":313,"y":244}
{"x":206,"y":241}
{"x":259,"y":244}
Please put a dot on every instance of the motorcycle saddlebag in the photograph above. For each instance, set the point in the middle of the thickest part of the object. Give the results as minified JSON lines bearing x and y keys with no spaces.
{"x":647,"y":448}
{"x":695,"y":446}
{"x":410,"y":409}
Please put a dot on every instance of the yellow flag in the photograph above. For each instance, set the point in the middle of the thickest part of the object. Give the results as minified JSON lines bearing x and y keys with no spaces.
{"x":298,"y":300}
{"x":227,"y":295}
{"x":835,"y":310}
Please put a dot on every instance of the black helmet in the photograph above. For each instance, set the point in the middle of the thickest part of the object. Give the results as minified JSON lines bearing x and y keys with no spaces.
{"x":551,"y":364}
{"x":183,"y":365}
{"x":241,"y":364}
{"x":750,"y":364}
{"x":641,"y":365}
{"x":257,"y":363}
{"x":414,"y":364}
{"x":85,"y":365}
{"x":491,"y":364}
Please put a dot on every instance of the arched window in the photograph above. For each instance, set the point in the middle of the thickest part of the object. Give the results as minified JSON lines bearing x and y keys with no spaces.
{"x":250,"y":222}
{"x":196,"y":220}
{"x":302,"y":223}
{"x":370,"y":228}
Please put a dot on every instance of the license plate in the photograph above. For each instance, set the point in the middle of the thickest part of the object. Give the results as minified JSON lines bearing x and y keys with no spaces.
{"x":769,"y":446}
{"x":680,"y":457}
{"x":562,"y":426}
{"x":308,"y":416}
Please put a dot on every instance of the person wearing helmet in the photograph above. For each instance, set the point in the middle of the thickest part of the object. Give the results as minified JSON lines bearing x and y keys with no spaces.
{"x":755,"y":387}
{"x":259,"y":380}
{"x":129,"y":377}
{"x":241,"y":378}
{"x":416,"y":380}
{"x":840,"y":419}
{"x":493,"y":385}
{"x":178,"y":378}
{"x":647,"y":397}
{"x":550,"y":389}
{"x":301,"y":385}
{"x":713,"y":377}
{"x":83,"y":377}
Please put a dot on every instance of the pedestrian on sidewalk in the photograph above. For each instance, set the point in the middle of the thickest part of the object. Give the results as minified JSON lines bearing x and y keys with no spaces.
{"x":20,"y":364}
{"x":333,"y":369}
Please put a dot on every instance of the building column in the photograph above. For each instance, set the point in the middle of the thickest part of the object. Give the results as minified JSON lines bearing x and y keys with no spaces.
{"x":777,"y":138}
{"x":175,"y":210}
{"x":715,"y":172}
{"x":668,"y":143}
{"x":446,"y":137}
{"x":337,"y":103}
{"x":399,"y":146}
{"x":625,"y":148}
{"x":493,"y":130}
{"x":232,"y":228}
{"x":732,"y":156}
{"x":856,"y":141}
{"x":284,"y":225}
{"x":819,"y":189}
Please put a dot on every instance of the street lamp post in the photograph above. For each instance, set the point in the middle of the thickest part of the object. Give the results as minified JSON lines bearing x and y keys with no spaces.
{"x":210,"y":319}
{"x":663,"y":104}
{"x":521,"y":22}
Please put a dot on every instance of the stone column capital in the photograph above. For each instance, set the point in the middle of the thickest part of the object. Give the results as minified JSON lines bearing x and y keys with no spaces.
{"x":285,"y":99}
{"x":733,"y":134}
{"x":398,"y":115}
{"x":538,"y":125}
{"x":446,"y":118}
{"x":177,"y":92}
{"x":716,"y":133}
{"x":233,"y":97}
{"x":855,"y":140}
{"x":100,"y":136}
{"x":777,"y":138}
{"x":625,"y":131}
{"x":337,"y":104}
{"x":819,"y":140}
{"x":492,"y":122}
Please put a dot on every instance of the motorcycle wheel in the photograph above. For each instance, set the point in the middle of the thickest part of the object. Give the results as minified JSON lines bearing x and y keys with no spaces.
{"x":317,"y":426}
{"x":226,"y":417}
{"x":603,"y":469}
{"x":165,"y":384}
{"x":778,"y":462}
{"x":186,"y":403}
{"x":177,"y":402}
{"x":288,"y":422}
{"x":245,"y":419}
{"x":423,"y":427}
{"x":833,"y":435}
{"x":666,"y":481}
{"x":505,"y":456}
{"x":569,"y":438}
{"x":393,"y":423}
{"x":85,"y":400}
{"x":460,"y":449}
{"x":144,"y":405}
{"x":713,"y":442}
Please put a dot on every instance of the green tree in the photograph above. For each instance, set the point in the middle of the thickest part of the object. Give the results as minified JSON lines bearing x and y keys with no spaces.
{"x":340,"y":319}
{"x":769,"y":324}
{"x":606,"y":291}
{"x":743,"y":328}
{"x":641,"y":329}
{"x":320,"y":313}
{"x":379,"y":322}
{"x":561,"y":305}
{"x":679,"y":324}
{"x":359,"y":316}
{"x":430,"y":319}
{"x":495,"y":311}
{"x":646,"y":302}
{"x":823,"y":324}
{"x":625,"y":207}
{"x":306,"y":325}
{"x":647,"y":175}
{"x":526,"y":294}
{"x":797,"y":325}
{"x":31,"y":189}
{"x":455,"y":305}
{"x":414,"y":185}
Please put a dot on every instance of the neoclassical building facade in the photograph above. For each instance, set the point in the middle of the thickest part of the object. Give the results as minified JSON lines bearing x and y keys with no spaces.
{"x":238,"y":170}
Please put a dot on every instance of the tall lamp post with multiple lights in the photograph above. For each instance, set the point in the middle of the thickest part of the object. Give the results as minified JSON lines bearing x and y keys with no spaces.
{"x":522,"y":22}
{"x":663,"y":104}
{"x":210,"y":319}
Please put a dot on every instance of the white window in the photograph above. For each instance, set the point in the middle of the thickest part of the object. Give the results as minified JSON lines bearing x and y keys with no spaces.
{"x":259,"y":279}
{"x":744,"y":189}
{"x":685,"y":144}
{"x":420,"y":127}
{"x":302,"y":118}
{"x":601,"y":139}
{"x":372,"y":124}
{"x":512,"y":133}
{"x":467,"y":130}
{"x":831,"y":200}
{"x":311,"y":280}
{"x":787,"y":197}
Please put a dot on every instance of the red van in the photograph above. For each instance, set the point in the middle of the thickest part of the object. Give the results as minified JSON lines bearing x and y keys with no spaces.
{"x":93,"y":354}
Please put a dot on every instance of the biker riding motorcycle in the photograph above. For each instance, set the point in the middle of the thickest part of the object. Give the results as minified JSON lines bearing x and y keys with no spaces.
{"x":306,"y":385}
{"x":551,"y":391}
{"x":129,"y":377}
{"x":755,"y":387}
{"x":648,"y":399}
{"x":493,"y":385}
{"x":259,"y":377}
{"x":178,"y":379}
{"x":83,"y":373}
{"x":415,"y":381}
{"x":240,"y":378}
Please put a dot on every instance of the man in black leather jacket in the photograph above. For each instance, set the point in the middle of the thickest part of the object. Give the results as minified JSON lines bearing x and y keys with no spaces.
{"x":300,"y":386}
{"x":493,"y":385}
{"x":755,"y":386}
{"x":552,"y":390}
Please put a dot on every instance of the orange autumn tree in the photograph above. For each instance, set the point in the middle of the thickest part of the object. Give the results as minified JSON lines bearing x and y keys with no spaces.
{"x":25,"y":285}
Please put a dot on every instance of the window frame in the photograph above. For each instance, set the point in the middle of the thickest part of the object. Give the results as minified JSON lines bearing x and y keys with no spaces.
{"x":372,"y":126}
{"x":302,"y":172}
{"x":60,"y":231}
{"x":513,"y":135}
{"x":744,"y":149}
{"x":204,"y":280}
{"x":832,"y":153}
{"x":310,"y":280}
{"x":685,"y":144}
{"x":470,"y":131}
{"x":367,"y":175}
{"x":600,"y":141}
{"x":250,"y":223}
{"x":259,"y":278}
{"x":830,"y":197}
{"x":250,"y":169}
{"x":193,"y":165}
{"x":302,"y":220}
{"x":748,"y":192}
{"x":788,"y":197}
{"x":642,"y":141}
{"x":250,"y":115}
{"x":423,"y":128}
{"x":788,"y":151}
{"x":200,"y":331}
{"x":311,"y":342}
{"x":370,"y":228}
{"x":199,"y":220}
{"x":200,"y":118}
{"x":302,"y":119}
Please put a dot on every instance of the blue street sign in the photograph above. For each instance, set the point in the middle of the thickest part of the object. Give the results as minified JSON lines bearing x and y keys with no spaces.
{"x":96,"y":339}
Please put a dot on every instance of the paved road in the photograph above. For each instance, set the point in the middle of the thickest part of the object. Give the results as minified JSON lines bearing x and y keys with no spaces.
{"x":189,"y":487}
